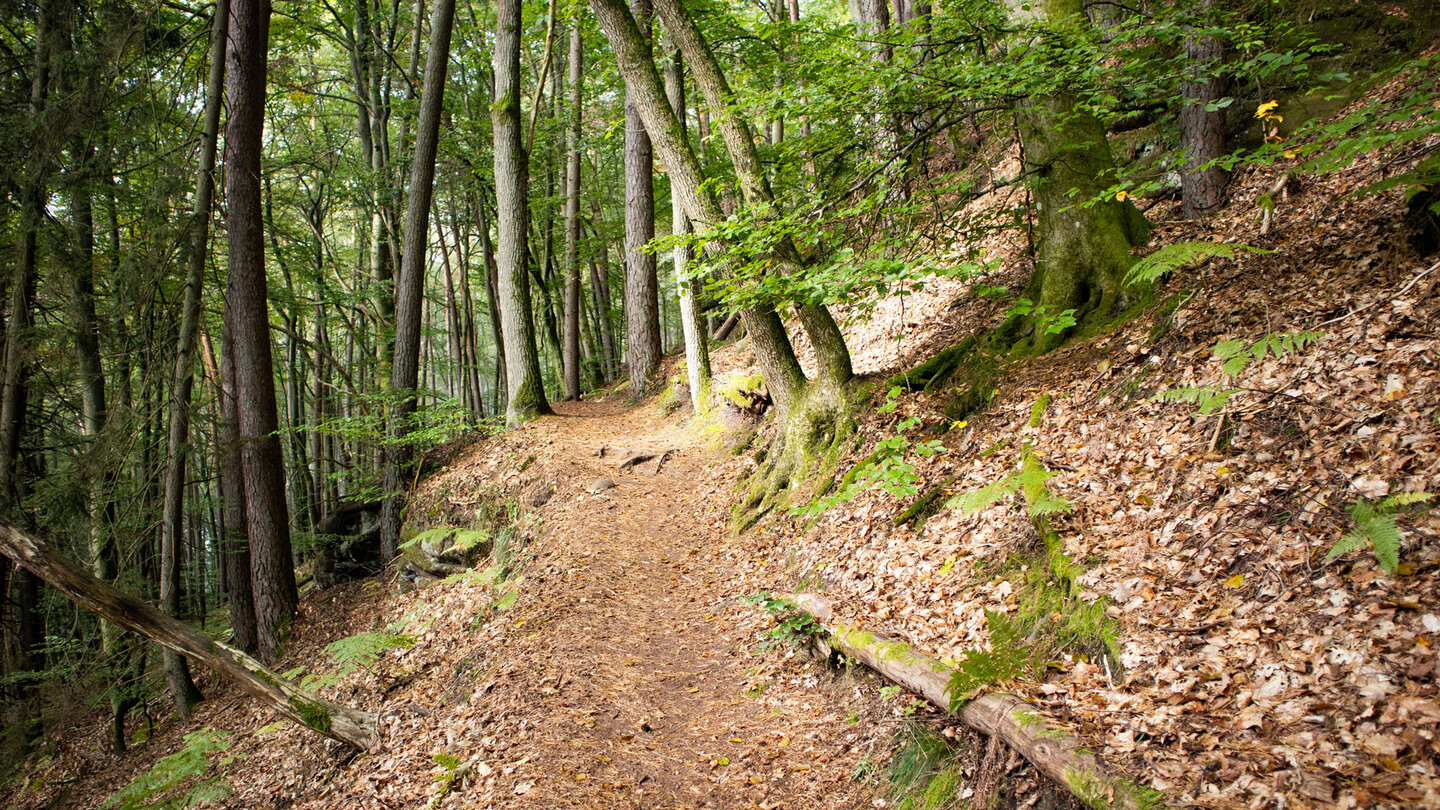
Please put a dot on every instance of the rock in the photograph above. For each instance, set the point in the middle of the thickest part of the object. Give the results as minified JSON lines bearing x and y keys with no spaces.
{"x":599,"y":485}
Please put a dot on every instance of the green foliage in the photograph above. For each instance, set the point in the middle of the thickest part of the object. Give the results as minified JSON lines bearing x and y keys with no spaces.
{"x":182,"y":780}
{"x":462,"y":539}
{"x":1377,"y":528}
{"x":887,"y":469}
{"x":454,"y":771}
{"x":1181,"y":254}
{"x":1029,"y":481}
{"x":354,"y":653}
{"x":1237,"y":356}
{"x":792,"y":625}
{"x":924,"y":771}
{"x":1046,"y":320}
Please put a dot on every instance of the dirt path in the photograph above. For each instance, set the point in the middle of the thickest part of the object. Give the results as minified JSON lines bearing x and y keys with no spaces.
{"x":631,"y":680}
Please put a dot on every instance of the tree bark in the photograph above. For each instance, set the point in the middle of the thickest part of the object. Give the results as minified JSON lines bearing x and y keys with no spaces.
{"x":405,"y":370}
{"x":1052,"y":750}
{"x":781,"y":370}
{"x":697,"y":348}
{"x":642,"y":287}
{"x":177,"y":671}
{"x":273,"y":573}
{"x":572,"y":216}
{"x":526,"y":392}
{"x":1202,"y":189}
{"x":338,"y":722}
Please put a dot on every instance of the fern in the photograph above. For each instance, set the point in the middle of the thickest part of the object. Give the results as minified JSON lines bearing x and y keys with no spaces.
{"x":1181,"y":254}
{"x":1238,"y":356}
{"x":1030,"y":482}
{"x":1377,"y":527}
{"x":1208,"y":399}
{"x":354,"y":653}
{"x":160,"y":787}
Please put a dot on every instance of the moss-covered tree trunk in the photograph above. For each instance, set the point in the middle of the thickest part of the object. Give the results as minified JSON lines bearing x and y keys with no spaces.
{"x":1082,"y":250}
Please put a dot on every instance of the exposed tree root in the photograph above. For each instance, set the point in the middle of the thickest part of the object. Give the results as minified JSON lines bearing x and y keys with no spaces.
{"x":810,"y":440}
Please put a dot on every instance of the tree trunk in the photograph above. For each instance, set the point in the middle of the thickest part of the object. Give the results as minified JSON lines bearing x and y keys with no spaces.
{"x":526,"y":392}
{"x":697,"y":348}
{"x":235,"y":540}
{"x":1081,"y":253}
{"x":341,"y":723}
{"x":273,"y":572}
{"x":642,"y":286}
{"x":177,"y":670}
{"x":405,"y":370}
{"x":572,"y":216}
{"x":1202,"y":130}
{"x":782,"y":373}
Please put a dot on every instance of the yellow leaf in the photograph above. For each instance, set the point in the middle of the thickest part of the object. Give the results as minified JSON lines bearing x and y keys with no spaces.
{"x":1266,"y":108}
{"x":693,"y":690}
{"x":1236,"y":581}
{"x":722,"y":761}
{"x":1389,"y":764}
{"x":735,"y":739}
{"x":1121,"y":195}
{"x":1221,"y":472}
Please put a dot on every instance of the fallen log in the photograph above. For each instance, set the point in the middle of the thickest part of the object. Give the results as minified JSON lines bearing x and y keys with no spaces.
{"x":1052,"y":750}
{"x":352,"y":726}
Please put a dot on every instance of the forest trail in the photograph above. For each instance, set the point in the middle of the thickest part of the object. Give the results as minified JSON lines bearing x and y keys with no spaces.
{"x":630,"y":683}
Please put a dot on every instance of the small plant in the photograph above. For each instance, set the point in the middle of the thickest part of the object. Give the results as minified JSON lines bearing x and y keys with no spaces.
{"x":1030,"y":481}
{"x":792,"y":625}
{"x":886,"y":469}
{"x":1181,"y":254}
{"x":454,"y":772}
{"x":354,"y":653}
{"x":1238,"y":356}
{"x":1046,"y":321}
{"x":183,"y":780}
{"x":1376,"y":527}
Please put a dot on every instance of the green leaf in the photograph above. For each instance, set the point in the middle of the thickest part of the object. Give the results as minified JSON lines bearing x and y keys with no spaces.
{"x":1181,"y":254}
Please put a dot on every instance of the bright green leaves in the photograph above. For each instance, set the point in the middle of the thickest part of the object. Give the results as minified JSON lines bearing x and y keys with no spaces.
{"x":1181,"y":254}
{"x":1377,"y":528}
{"x":1029,"y":481}
{"x":182,"y":780}
{"x":1238,"y":356}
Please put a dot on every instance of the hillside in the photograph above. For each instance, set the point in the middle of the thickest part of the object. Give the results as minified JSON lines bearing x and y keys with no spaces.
{"x":1175,"y":605}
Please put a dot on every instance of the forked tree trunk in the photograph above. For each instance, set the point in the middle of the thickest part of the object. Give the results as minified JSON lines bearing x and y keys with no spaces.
{"x":642,"y":286}
{"x":338,"y":722}
{"x":273,"y":572}
{"x":782,"y":373}
{"x":1081,"y":252}
{"x":572,"y":216}
{"x":405,"y":369}
{"x":526,"y":392}
{"x":831,"y":353}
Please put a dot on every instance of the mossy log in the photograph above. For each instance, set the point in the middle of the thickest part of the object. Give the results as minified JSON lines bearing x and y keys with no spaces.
{"x":358,"y":728}
{"x":1053,"y":751}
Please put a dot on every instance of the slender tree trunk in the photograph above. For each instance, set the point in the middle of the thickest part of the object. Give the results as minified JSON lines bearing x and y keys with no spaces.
{"x":235,"y":541}
{"x":604,"y":302}
{"x":526,"y":393}
{"x":177,"y":670}
{"x":572,"y":217}
{"x":642,"y":285}
{"x":1202,"y":129}
{"x":697,"y":348}
{"x":273,"y":572}
{"x":405,"y":371}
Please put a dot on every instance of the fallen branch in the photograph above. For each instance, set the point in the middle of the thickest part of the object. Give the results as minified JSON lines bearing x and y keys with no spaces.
{"x":338,"y":722}
{"x":1053,"y":751}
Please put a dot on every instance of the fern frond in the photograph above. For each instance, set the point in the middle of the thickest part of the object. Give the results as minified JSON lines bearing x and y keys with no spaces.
{"x":985,"y":497}
{"x":364,"y":649}
{"x":1400,"y":500}
{"x":1181,"y":254}
{"x":1208,"y":399}
{"x":1350,"y":541}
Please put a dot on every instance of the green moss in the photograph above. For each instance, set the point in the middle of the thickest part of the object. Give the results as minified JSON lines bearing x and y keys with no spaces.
{"x":312,"y":714}
{"x":1037,"y":411}
{"x":738,"y":389}
{"x":1102,"y":794}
